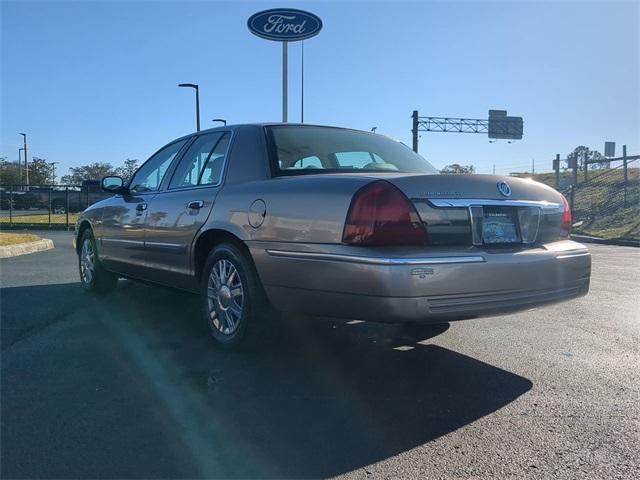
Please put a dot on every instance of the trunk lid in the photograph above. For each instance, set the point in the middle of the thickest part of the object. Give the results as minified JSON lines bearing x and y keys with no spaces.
{"x":472,"y":210}
{"x":472,"y":186}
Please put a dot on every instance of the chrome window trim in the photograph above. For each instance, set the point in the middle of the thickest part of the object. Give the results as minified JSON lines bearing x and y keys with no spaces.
{"x":483,"y":202}
{"x":335,"y":257}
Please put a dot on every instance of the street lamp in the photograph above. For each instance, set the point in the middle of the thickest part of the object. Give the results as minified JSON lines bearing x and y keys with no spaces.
{"x":26,"y":157}
{"x":194,"y":86}
{"x":21,"y":149}
{"x":53,"y":171}
{"x":220,"y":120}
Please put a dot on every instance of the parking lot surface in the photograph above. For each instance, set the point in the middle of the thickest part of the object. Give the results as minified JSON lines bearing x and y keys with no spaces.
{"x":128,"y":385}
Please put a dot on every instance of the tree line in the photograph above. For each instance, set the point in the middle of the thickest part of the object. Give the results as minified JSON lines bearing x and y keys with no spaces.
{"x":41,"y":172}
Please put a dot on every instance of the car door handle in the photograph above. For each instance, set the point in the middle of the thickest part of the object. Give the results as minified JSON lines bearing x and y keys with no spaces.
{"x":141,"y":207}
{"x":196,"y":205}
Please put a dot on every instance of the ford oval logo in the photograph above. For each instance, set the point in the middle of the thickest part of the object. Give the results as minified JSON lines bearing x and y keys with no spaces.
{"x":504,"y":188}
{"x":284,"y":24}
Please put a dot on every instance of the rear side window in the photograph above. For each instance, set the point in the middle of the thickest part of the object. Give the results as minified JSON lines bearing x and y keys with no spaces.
{"x":203,"y":161}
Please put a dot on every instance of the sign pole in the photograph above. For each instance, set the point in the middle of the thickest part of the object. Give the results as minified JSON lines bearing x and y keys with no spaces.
{"x":284,"y":81}
{"x":286,"y":25}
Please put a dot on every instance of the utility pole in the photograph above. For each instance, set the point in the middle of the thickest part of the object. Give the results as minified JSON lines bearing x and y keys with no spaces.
{"x":26,"y":158}
{"x":556,"y":167}
{"x":626,"y":179}
{"x":586,"y":165}
{"x":533,"y":167}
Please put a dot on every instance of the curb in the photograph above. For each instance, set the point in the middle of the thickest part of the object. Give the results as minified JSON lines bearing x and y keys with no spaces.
{"x":603,"y":241}
{"x":25,"y":248}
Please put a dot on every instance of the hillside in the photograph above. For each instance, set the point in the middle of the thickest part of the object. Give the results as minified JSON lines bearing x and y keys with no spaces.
{"x":599,"y":209}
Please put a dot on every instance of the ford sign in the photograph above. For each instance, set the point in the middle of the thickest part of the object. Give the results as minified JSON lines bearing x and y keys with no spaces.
{"x":284,"y":24}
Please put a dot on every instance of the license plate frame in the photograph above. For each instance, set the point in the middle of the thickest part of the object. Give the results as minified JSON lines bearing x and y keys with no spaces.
{"x":500,"y":226}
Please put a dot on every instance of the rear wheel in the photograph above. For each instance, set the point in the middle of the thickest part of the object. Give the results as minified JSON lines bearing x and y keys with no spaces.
{"x":232,"y":300}
{"x":93,"y":276}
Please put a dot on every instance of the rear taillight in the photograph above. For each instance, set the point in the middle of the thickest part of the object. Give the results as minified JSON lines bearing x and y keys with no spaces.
{"x":567,"y":219}
{"x":380,"y":214}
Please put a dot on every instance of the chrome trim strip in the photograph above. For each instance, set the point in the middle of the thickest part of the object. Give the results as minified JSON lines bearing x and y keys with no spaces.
{"x":166,"y":246}
{"x":573,"y":255}
{"x":482,"y":202}
{"x":334,"y":257}
{"x":119,"y":240}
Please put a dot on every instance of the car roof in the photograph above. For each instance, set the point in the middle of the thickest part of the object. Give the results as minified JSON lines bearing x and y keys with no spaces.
{"x":266,"y":124}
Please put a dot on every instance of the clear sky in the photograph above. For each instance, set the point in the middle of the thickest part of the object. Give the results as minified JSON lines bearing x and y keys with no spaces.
{"x":96,"y":81}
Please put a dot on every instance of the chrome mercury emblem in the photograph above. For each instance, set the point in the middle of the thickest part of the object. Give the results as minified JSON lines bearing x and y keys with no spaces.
{"x":504,"y":188}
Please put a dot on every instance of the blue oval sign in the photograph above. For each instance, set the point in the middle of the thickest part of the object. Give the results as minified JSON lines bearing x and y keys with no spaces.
{"x":284,"y":24}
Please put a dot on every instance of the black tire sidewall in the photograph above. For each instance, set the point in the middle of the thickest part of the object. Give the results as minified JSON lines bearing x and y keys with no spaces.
{"x":88,"y":236}
{"x":102,"y":280}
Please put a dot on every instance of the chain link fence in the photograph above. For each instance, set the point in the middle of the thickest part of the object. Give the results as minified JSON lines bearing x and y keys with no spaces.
{"x":46,"y":206}
{"x":607,"y":205}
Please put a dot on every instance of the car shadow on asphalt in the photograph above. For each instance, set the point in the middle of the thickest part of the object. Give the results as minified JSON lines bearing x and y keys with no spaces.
{"x":318,"y":398}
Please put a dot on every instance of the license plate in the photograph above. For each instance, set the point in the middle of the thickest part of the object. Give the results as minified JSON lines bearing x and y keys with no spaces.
{"x":500,"y":225}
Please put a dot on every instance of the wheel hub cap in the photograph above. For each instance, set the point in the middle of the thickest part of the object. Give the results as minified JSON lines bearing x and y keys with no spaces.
{"x":224,"y":297}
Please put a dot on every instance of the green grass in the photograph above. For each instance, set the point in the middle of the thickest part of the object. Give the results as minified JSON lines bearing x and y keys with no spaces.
{"x":56,"y":218}
{"x":599,"y":208}
{"x":16,"y":238}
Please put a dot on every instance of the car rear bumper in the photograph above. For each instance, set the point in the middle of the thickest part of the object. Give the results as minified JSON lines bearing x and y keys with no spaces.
{"x":411,"y":286}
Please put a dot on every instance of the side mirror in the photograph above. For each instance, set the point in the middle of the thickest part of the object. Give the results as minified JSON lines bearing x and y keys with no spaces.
{"x":113,"y":184}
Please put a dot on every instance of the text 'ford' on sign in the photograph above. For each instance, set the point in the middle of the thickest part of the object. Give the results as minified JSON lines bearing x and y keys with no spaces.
{"x":284,"y":24}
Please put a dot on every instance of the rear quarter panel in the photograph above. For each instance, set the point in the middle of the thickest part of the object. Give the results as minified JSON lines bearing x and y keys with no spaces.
{"x":307,"y":209}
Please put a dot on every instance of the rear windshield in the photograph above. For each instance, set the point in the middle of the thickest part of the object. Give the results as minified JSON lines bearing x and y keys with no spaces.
{"x":300,"y":149}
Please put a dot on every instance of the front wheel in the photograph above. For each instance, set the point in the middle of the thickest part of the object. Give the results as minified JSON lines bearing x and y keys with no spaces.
{"x":231,"y":297}
{"x":93,"y":276}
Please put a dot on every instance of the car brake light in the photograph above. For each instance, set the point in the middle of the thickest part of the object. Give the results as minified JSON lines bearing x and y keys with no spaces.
{"x":567,"y":218}
{"x":380,"y":214}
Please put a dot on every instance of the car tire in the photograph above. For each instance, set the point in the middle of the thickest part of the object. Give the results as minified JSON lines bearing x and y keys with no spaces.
{"x":233,"y":302}
{"x":93,"y":276}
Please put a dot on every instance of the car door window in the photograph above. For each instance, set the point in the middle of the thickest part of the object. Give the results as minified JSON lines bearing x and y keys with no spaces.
{"x":202,"y":164}
{"x":149,"y":177}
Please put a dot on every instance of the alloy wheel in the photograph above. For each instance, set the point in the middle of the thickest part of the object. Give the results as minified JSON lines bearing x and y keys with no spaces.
{"x":225,"y":297}
{"x":87,"y":261}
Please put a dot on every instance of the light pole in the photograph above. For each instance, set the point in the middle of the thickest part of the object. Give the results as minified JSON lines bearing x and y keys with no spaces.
{"x":220,"y":120}
{"x":26,"y":158}
{"x":20,"y":163}
{"x":53,"y":171}
{"x":194,"y":86}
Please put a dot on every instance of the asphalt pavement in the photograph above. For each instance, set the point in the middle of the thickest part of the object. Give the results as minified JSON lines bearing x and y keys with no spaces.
{"x":128,"y":385}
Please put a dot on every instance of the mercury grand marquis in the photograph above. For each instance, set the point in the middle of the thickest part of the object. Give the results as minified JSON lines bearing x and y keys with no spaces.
{"x":328,"y":221}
